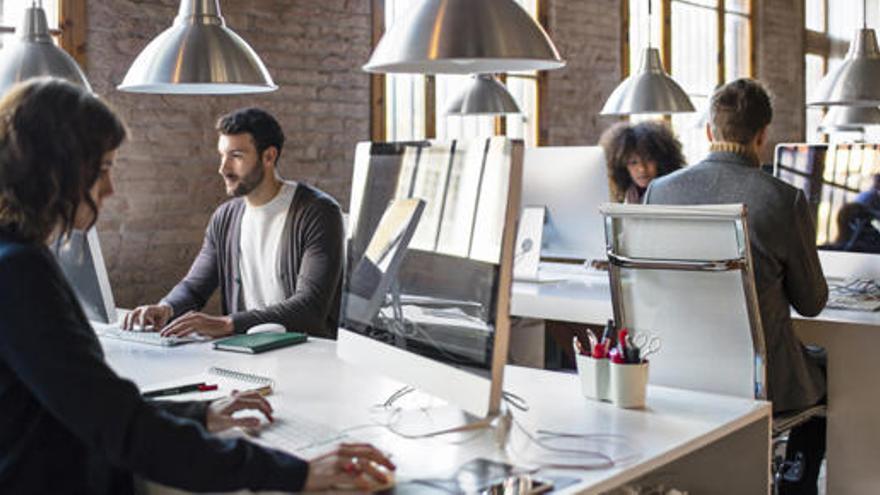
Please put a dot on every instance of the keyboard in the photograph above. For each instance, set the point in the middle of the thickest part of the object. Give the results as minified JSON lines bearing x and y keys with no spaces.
{"x":294,"y":433}
{"x":151,"y":338}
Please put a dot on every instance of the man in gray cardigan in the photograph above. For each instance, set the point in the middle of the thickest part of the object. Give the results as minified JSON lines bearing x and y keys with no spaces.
{"x":783,"y":246}
{"x":275,"y":249}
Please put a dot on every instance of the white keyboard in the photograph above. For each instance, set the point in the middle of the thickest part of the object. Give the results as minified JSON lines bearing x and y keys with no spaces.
{"x":853,"y":303}
{"x":293,"y":433}
{"x":151,"y":338}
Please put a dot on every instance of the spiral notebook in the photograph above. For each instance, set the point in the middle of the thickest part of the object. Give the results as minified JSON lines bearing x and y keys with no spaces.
{"x":226,"y":380}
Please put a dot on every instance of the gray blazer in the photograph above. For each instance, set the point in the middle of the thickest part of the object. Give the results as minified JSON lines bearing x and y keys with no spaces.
{"x":786,"y":264}
{"x":311,"y":267}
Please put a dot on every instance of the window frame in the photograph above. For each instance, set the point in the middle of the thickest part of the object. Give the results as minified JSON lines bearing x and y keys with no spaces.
{"x":663,"y":9}
{"x":71,"y":32}
{"x":379,"y":106}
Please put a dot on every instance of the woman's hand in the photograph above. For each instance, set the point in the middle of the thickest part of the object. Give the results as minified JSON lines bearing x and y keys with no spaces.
{"x":351,"y":466}
{"x":219,"y":416}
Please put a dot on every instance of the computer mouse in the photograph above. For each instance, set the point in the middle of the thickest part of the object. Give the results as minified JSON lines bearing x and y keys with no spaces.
{"x":267,"y":328}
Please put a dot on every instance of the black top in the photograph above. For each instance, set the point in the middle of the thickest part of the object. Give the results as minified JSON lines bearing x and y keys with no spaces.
{"x":69,"y":424}
{"x":311,"y":267}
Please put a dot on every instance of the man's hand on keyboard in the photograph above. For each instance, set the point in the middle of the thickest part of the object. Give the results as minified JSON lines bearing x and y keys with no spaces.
{"x":195,"y":322}
{"x":356,"y":466}
{"x":219,"y":415}
{"x":156,"y":315}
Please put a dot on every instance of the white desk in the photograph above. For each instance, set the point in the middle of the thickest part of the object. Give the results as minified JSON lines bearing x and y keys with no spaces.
{"x":851,"y":338}
{"x":699,"y":442}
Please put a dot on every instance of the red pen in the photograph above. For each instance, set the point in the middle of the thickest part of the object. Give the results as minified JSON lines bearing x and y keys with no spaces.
{"x":599,"y":351}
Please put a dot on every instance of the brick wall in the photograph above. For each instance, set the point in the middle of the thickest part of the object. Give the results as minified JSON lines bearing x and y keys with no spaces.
{"x":166,"y":180}
{"x":587,"y":35}
{"x":780,"y":65}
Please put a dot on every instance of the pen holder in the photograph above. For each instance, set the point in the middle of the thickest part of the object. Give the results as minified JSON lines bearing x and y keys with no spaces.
{"x":628,"y":384}
{"x":594,"y":377}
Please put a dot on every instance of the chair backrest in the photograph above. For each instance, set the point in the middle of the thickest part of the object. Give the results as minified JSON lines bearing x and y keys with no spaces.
{"x":684,"y":274}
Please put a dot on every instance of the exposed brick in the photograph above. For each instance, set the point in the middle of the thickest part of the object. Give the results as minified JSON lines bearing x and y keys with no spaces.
{"x":166,"y":174}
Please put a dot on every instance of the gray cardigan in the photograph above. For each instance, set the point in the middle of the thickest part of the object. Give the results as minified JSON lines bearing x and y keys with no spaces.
{"x":311,"y":267}
{"x":783,"y":246}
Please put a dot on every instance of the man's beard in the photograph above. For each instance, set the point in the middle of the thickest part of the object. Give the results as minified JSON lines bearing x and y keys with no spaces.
{"x":249,"y":182}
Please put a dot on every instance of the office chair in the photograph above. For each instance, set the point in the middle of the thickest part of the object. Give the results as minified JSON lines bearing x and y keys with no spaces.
{"x":684,"y":274}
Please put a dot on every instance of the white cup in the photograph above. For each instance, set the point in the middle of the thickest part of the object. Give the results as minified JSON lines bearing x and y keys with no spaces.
{"x":594,"y":377}
{"x":628,"y":384}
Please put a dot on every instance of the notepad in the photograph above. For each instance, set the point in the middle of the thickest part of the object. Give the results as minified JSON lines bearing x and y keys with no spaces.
{"x":226,"y":380}
{"x":260,"y":342}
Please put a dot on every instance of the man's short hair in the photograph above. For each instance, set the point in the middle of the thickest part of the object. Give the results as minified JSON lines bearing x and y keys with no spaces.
{"x":739,"y":110}
{"x":260,"y":124}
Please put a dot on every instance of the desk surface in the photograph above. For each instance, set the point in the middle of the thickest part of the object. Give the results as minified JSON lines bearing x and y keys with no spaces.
{"x":311,"y":379}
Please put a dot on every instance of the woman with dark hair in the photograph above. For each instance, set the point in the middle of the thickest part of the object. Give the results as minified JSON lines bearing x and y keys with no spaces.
{"x":638,"y":154}
{"x":68,"y":423}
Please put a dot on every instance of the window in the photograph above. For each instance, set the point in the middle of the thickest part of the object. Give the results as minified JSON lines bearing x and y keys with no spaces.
{"x":12,"y":12}
{"x":828,"y":34}
{"x":414,"y":105}
{"x":707,"y":43}
{"x":71,"y":14}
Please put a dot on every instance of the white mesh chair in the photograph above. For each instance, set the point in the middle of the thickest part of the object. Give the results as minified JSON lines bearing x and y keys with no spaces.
{"x":684,"y":274}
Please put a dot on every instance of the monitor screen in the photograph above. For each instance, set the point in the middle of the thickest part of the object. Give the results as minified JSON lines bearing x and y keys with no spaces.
{"x":570,"y":182}
{"x":842,"y":185}
{"x":83,"y":265}
{"x":425,"y":247}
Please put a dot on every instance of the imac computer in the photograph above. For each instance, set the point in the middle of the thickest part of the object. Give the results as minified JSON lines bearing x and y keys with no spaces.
{"x":429,"y":266}
{"x":570,"y":183}
{"x":80,"y":258}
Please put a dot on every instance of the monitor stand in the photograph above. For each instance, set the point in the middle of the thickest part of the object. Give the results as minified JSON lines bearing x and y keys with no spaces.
{"x":431,"y":417}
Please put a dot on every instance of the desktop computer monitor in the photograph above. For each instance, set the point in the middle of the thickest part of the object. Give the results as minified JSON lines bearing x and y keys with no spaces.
{"x":842,"y":185}
{"x":427,"y":286}
{"x":81,"y":260}
{"x":570,"y":182}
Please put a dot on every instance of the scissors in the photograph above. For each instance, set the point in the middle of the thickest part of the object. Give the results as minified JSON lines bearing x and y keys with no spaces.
{"x":648,"y":344}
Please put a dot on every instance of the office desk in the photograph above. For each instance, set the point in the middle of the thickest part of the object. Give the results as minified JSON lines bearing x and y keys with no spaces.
{"x":849,"y":336}
{"x":699,"y":442}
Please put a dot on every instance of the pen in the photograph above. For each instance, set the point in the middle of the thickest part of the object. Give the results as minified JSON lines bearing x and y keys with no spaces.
{"x":180,"y":389}
{"x":578,"y":347}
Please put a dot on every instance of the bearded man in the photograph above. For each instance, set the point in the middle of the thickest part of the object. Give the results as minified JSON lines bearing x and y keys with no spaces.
{"x":275,"y":250}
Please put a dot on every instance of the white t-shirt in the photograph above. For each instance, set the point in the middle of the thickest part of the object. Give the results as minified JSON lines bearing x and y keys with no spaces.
{"x":260,"y":262}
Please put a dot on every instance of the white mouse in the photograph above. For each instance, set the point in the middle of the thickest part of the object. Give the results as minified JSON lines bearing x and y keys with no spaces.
{"x":267,"y":328}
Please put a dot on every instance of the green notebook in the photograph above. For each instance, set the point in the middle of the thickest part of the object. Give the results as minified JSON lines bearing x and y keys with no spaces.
{"x":260,"y":342}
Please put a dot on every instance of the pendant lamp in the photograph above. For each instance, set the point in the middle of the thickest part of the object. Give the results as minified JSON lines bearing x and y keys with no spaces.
{"x":464,"y":37}
{"x":849,"y":119}
{"x":483,"y":95}
{"x":198,"y":54}
{"x":34,"y":54}
{"x":854,"y":81}
{"x":650,"y":90}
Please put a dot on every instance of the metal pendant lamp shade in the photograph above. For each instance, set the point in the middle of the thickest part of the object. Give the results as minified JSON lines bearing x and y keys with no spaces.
{"x":855,"y":81}
{"x":34,"y":54}
{"x":464,"y":37}
{"x":198,"y":54}
{"x":843,"y":119}
{"x":650,"y":90}
{"x":483,"y":95}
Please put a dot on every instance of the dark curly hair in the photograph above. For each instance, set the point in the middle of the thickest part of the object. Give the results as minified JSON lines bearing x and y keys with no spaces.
{"x":649,"y":140}
{"x":53,"y":136}
{"x":260,"y":124}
